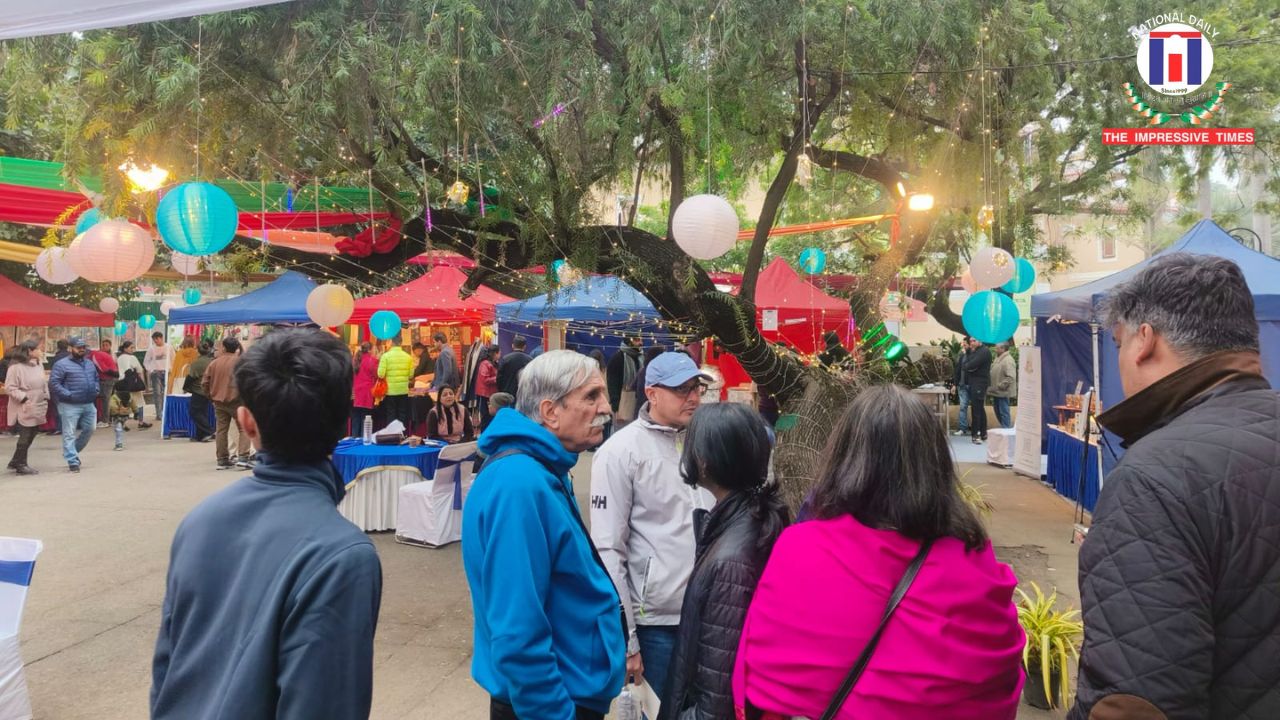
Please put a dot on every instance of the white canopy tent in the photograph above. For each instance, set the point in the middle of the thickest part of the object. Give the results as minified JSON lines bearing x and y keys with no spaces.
{"x":23,"y":18}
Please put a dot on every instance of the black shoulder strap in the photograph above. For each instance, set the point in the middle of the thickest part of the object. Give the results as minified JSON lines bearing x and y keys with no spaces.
{"x":899,"y":592}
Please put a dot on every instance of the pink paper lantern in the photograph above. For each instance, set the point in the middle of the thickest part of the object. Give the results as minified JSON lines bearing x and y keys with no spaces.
{"x":112,"y":251}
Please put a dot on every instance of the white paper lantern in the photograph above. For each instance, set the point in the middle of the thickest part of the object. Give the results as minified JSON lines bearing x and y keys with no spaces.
{"x":992,"y":267}
{"x":185,"y":264}
{"x":166,"y":306}
{"x":108,"y":305}
{"x":330,"y":305}
{"x":112,"y":251}
{"x":705,"y":226}
{"x":966,"y":282}
{"x":53,"y":268}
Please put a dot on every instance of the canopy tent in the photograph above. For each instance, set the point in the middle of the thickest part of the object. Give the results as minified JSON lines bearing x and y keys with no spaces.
{"x":22,"y":306}
{"x":1075,"y":347}
{"x":598,"y":312}
{"x":282,"y":301}
{"x":31,"y":19}
{"x":433,"y":298}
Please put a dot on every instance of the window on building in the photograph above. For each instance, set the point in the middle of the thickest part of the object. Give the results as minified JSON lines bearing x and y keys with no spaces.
{"x":1107,"y":247}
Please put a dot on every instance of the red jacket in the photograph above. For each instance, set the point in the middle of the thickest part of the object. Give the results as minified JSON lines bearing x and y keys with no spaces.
{"x":107,"y":367}
{"x":486,"y":379}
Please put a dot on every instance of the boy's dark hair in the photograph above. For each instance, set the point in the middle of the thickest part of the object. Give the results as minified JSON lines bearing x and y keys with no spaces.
{"x":518,"y":342}
{"x":297,"y":385}
{"x":156,"y":335}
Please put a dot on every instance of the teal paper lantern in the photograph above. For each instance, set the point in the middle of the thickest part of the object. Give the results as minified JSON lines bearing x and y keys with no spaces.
{"x":1024,"y":276}
{"x":197,"y":218}
{"x":87,"y":219}
{"x":384,"y":324}
{"x":813,"y":260}
{"x":556,"y":267}
{"x":990,"y":316}
{"x":146,"y":322}
{"x":121,"y":328}
{"x":191,"y":295}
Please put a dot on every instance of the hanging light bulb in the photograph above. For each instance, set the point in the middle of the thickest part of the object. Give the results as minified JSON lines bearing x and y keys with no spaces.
{"x":986,"y":216}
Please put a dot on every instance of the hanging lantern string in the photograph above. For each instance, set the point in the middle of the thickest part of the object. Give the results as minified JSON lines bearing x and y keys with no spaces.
{"x":199,"y":96}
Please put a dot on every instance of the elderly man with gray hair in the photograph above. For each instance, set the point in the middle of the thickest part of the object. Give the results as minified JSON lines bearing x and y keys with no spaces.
{"x":1180,"y":572}
{"x":550,"y":640}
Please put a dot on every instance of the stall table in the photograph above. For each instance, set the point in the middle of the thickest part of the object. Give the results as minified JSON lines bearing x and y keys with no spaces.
{"x":177,"y":417}
{"x":939,"y":401}
{"x":1066,"y":451}
{"x":374,"y":475}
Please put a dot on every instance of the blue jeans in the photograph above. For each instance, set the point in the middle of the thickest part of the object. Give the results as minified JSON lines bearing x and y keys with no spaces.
{"x":657,"y":645}
{"x":963,"y":392}
{"x":157,"y":395}
{"x":1001,"y":406}
{"x":78,"y":422}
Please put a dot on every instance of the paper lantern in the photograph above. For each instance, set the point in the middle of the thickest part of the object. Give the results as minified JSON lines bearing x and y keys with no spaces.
{"x":990,"y":316}
{"x":191,"y":296}
{"x":705,"y":226}
{"x":108,"y":305}
{"x":166,"y":307}
{"x":87,"y":219}
{"x":1024,"y":276}
{"x":53,"y":268}
{"x":991,"y":267}
{"x":112,"y":251}
{"x":185,"y":264}
{"x":813,"y":260}
{"x":330,"y":305}
{"x":121,"y":328}
{"x":146,"y":322}
{"x":966,"y":282}
{"x":197,"y":218}
{"x":384,"y":324}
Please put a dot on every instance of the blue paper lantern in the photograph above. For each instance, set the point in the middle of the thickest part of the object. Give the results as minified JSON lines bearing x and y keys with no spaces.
{"x":197,"y":218}
{"x":121,"y":328}
{"x":1024,"y":276}
{"x":384,"y":324}
{"x":146,"y":322}
{"x":990,"y":316}
{"x":87,"y":219}
{"x":555,"y":270}
{"x":813,"y":260}
{"x":191,"y":295}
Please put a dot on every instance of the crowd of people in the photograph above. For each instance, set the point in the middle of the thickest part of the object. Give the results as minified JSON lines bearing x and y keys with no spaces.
{"x":979,"y":374}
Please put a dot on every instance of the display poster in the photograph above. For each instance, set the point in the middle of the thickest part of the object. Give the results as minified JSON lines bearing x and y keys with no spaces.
{"x":1026,"y":455}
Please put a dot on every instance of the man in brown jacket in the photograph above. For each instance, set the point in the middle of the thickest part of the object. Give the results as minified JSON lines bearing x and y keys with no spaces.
{"x":219,"y":385}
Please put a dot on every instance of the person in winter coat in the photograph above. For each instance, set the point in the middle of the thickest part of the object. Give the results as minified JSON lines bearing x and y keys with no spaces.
{"x":108,"y":374}
{"x":219,"y":385}
{"x":549,"y":638}
{"x":642,"y":514}
{"x":28,"y":402}
{"x":510,"y":365}
{"x":127,"y":362}
{"x":182,"y":359}
{"x":449,"y":420}
{"x":486,"y":382}
{"x":887,"y":498}
{"x":271,"y":599}
{"x":621,"y":373}
{"x":194,"y":385}
{"x":156,"y":361}
{"x":74,"y":382}
{"x":365,"y":376}
{"x":1004,"y":384}
{"x":123,"y":406}
{"x":447,"y":372}
{"x":726,"y":452}
{"x":395,"y":367}
{"x":961,"y":384}
{"x":977,"y":374}
{"x":1180,"y":570}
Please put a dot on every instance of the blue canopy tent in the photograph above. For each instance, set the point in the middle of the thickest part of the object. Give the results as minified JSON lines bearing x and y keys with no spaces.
{"x":284,"y":300}
{"x":1075,"y":347}
{"x":599,"y":311}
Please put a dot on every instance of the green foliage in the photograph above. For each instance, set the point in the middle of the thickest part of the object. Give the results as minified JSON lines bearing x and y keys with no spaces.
{"x":1052,"y":637}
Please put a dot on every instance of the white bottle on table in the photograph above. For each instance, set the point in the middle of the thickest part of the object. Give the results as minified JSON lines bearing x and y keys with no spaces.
{"x":367,"y":435}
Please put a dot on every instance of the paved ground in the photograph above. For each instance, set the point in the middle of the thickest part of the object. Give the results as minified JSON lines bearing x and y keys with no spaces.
{"x":94,"y":605}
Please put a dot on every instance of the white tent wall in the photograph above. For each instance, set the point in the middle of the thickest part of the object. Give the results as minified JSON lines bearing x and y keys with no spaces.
{"x":25,"y":18}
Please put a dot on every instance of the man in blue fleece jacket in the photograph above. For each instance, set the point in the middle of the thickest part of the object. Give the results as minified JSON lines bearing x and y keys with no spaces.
{"x":272,"y":596}
{"x":549,"y":638}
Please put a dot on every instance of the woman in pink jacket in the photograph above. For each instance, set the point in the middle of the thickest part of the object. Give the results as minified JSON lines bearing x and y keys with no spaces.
{"x":951,"y":649}
{"x":366,"y":375}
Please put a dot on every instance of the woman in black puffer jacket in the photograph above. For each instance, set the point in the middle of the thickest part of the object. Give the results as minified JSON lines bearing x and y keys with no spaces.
{"x":726,"y":451}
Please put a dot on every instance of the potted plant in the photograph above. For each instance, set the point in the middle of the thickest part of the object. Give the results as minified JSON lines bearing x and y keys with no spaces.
{"x":1053,"y":638}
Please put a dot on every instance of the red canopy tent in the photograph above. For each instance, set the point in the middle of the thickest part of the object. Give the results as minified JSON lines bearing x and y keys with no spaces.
{"x":21,"y":306}
{"x":433,"y":298}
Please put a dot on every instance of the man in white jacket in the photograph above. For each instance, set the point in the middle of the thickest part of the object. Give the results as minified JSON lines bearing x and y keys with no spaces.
{"x":642,"y":513}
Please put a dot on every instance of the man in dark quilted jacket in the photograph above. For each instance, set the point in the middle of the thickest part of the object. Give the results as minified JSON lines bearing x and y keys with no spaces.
{"x":1180,"y":574}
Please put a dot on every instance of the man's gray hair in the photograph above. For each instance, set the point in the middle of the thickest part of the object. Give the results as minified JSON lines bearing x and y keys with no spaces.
{"x":1200,"y":305}
{"x":552,"y":376}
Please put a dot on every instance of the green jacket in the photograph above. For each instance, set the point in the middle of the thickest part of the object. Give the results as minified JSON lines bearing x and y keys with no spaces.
{"x":397,"y":368}
{"x":195,"y":374}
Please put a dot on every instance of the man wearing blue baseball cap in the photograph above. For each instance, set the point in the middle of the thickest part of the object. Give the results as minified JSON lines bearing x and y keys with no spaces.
{"x":642,"y":513}
{"x":74,"y":383}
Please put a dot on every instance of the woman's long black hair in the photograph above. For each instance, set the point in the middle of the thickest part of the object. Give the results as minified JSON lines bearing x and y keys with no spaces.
{"x":728,"y":444}
{"x":889,"y":465}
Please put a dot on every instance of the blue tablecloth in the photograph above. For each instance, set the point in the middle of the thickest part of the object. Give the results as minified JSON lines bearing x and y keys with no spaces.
{"x":1065,"y":453}
{"x":177,"y":416}
{"x":353,"y":457}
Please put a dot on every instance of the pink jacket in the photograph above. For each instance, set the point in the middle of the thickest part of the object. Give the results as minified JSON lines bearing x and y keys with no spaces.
{"x":362,"y":386}
{"x":952,"y":649}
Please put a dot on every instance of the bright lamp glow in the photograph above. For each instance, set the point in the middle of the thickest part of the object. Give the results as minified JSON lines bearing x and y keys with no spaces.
{"x":920,"y":202}
{"x":902,"y":191}
{"x":147,"y":180}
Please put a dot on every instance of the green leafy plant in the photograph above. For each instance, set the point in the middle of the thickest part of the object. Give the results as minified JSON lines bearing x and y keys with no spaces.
{"x":1053,"y":638}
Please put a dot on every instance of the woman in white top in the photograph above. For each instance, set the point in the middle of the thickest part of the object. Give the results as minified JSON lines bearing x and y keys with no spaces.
{"x":127,"y":361}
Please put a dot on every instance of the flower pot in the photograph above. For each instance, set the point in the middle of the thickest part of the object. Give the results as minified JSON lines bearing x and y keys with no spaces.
{"x":1034,"y":691}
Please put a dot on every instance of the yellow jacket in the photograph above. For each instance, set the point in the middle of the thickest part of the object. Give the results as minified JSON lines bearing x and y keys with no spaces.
{"x":396,"y":367}
{"x":182,"y":359}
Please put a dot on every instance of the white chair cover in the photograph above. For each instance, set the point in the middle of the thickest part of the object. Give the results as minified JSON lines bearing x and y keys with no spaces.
{"x":17,"y":562}
{"x":370,"y":503}
{"x":430,"y":513}
{"x":1000,"y":444}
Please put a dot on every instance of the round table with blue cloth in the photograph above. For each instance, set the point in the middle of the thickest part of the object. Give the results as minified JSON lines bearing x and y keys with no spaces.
{"x":177,"y":417}
{"x":374,"y":475}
